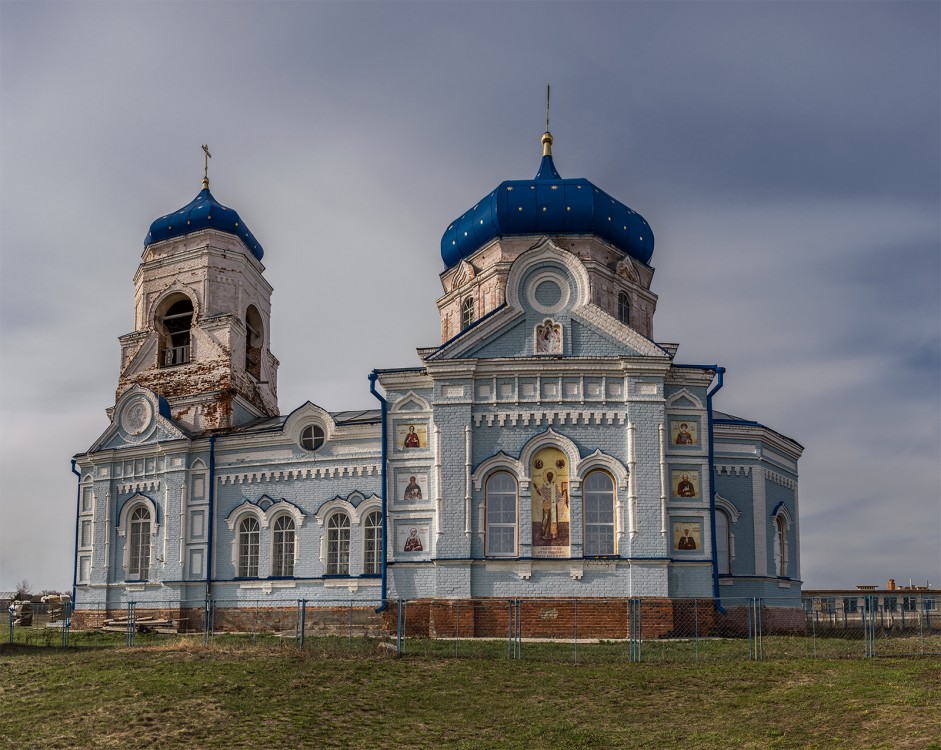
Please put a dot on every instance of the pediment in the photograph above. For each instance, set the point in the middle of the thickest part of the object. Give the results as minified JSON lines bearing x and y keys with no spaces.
{"x":140,"y":417}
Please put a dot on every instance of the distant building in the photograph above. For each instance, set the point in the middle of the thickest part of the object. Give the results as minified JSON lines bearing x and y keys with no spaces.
{"x":889,"y":606}
{"x":547,"y":447}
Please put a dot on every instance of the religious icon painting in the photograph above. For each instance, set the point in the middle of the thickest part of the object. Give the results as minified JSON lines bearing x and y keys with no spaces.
{"x":550,"y":516}
{"x":412,"y":538}
{"x":687,"y":536}
{"x":684,"y":432}
{"x":411,"y":435}
{"x":411,"y":487}
{"x":548,"y":338}
{"x":685,"y":483}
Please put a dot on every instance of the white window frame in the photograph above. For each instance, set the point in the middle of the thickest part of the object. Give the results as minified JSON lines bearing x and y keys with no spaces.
{"x":338,"y":544}
{"x":283,"y":550}
{"x":586,"y":523}
{"x":245,"y":543}
{"x":313,"y":436}
{"x":492,"y":526}
{"x":139,"y":534}
{"x":372,"y":536}
{"x":467,"y":312}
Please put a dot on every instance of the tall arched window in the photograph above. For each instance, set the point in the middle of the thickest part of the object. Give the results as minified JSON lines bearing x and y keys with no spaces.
{"x":372,"y":544}
{"x":723,"y":548}
{"x":174,"y":325}
{"x":338,"y":545}
{"x":139,"y":568}
{"x":254,"y":340}
{"x":282,"y":558}
{"x":501,"y":515}
{"x":598,"y":513}
{"x":780,"y":547}
{"x":467,"y":312}
{"x":248,"y":548}
{"x":624,"y":308}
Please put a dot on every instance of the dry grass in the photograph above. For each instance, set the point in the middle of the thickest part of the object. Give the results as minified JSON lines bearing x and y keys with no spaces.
{"x":227,"y":695}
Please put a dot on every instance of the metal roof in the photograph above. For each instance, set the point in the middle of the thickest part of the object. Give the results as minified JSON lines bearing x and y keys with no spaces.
{"x":203,"y":212}
{"x":547,"y":204}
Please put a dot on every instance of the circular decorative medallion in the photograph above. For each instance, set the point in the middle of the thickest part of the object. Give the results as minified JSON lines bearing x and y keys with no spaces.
{"x":136,"y":416}
{"x":547,"y":291}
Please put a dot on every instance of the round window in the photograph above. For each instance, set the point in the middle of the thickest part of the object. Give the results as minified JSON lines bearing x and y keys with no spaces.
{"x":312,"y":437}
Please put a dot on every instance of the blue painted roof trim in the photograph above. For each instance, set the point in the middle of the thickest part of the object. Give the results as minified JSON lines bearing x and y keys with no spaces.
{"x":547,"y":204}
{"x":203,"y":212}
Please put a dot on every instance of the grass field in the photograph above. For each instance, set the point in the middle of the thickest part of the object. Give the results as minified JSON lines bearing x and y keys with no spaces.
{"x":229,"y":694}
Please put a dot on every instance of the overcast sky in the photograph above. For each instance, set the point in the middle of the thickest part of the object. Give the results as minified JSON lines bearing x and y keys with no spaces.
{"x":786,"y":156}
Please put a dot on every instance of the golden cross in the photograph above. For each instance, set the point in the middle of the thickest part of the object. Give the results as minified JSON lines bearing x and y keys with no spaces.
{"x":206,"y":159}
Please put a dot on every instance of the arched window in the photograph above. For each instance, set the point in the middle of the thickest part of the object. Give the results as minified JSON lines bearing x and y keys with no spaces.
{"x":248,"y":548}
{"x":312,"y":437}
{"x":501,"y":515}
{"x":174,"y":325}
{"x":723,"y":548}
{"x":467,"y":312}
{"x":598,"y":505}
{"x":282,"y":559}
{"x":338,"y":545}
{"x":254,"y":340}
{"x":780,"y":547}
{"x":139,"y":568}
{"x":624,"y":308}
{"x":372,"y":544}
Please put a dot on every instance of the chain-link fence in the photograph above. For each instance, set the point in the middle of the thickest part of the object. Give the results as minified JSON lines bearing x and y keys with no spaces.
{"x":565,"y":630}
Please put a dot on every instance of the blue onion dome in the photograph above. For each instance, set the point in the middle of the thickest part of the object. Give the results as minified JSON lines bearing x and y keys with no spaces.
{"x":203,"y":212}
{"x":547,"y":204}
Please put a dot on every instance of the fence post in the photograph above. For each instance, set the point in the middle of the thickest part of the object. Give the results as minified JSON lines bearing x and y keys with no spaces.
{"x":751,"y":647}
{"x":575,"y":651}
{"x":636,"y":629}
{"x":761,"y":644}
{"x":813,"y":624}
{"x":921,"y":623}
{"x":457,"y":626}
{"x":696,"y":618}
{"x":66,"y":622}
{"x":509,"y":627}
{"x":398,"y":637}
{"x":12,"y":615}
{"x":129,"y":634}
{"x":350,"y":629}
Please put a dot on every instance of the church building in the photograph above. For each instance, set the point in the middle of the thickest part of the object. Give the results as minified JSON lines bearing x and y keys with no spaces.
{"x":547,"y":448}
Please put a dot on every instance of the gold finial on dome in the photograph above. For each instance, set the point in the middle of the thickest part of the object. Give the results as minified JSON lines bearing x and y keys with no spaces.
{"x":547,"y":136}
{"x":207,"y":157}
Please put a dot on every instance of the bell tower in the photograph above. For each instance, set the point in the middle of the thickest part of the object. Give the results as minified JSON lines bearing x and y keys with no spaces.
{"x":202,"y":314}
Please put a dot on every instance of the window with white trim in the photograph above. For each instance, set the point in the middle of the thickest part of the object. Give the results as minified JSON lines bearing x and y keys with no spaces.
{"x":85,"y":535}
{"x":338,"y":545}
{"x":312,"y":437}
{"x":139,"y":567}
{"x":282,"y":557}
{"x":249,"y":540}
{"x":723,"y":548}
{"x":501,"y":515}
{"x":598,"y":514}
{"x":467,"y":312}
{"x":372,"y":543}
{"x":780,"y":547}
